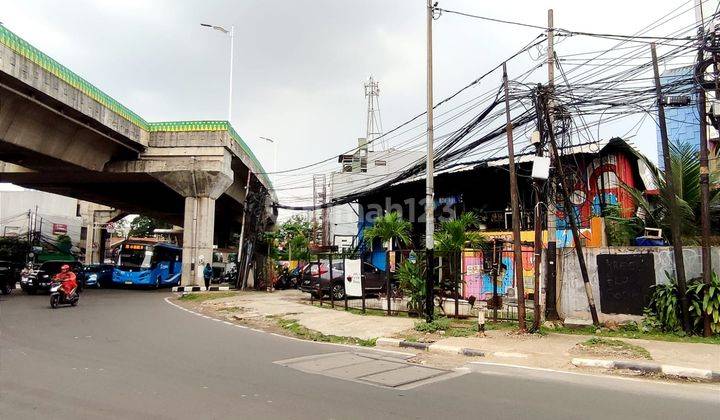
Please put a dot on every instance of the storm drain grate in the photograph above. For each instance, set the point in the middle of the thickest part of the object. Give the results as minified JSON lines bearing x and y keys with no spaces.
{"x":369,"y":368}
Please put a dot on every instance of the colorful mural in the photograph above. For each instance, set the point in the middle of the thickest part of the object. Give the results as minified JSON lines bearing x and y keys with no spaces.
{"x":478,"y":282}
{"x":599,"y":180}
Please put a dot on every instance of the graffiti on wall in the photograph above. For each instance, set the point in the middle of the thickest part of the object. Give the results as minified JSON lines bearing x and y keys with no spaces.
{"x":596,"y":183}
{"x":478,"y":278}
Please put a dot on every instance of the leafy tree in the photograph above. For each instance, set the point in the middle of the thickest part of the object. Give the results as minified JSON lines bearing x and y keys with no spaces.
{"x":143,"y":226}
{"x":621,"y":231}
{"x":63,"y":243}
{"x":389,"y":228}
{"x":13,"y":249}
{"x":685,"y":162}
{"x":295,"y":235}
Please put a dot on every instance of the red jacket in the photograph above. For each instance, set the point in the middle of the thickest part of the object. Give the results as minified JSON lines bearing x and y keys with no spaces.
{"x":69,"y":281}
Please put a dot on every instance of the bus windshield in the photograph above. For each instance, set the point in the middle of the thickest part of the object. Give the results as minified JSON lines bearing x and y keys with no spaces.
{"x":135,"y":256}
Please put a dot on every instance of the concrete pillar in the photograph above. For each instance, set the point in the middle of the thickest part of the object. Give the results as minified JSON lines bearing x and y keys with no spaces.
{"x":199,"y":227}
{"x":92,"y":254}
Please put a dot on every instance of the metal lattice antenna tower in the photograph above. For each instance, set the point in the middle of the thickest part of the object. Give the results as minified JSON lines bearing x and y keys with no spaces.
{"x":374,"y":122}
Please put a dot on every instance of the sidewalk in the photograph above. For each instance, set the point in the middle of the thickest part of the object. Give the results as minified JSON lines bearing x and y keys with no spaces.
{"x":555,"y":351}
{"x":552,"y":351}
{"x":286,"y":304}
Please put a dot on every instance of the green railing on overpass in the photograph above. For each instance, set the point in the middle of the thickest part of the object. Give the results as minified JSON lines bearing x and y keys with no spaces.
{"x":25,"y":49}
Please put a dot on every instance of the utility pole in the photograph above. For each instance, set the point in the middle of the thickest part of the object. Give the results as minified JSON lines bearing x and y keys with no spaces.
{"x":671,"y":197}
{"x":570,"y":214}
{"x":550,"y":260}
{"x":537,"y":219}
{"x":429,"y":189}
{"x":514,"y":203}
{"x":704,"y":173}
{"x":242,"y":282}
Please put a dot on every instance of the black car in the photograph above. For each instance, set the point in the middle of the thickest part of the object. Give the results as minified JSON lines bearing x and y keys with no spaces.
{"x":374,"y":280}
{"x":39,"y":280}
{"x":9,"y":272}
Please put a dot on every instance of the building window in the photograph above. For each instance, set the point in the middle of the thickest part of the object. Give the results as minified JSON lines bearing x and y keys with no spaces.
{"x":380,"y":163}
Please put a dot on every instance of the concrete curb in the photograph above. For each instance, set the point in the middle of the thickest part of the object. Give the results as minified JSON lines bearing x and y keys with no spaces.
{"x":430,"y":347}
{"x":646,"y":367}
{"x":200,"y":289}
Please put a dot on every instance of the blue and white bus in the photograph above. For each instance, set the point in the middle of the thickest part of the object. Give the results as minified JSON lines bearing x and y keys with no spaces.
{"x":148,"y":264}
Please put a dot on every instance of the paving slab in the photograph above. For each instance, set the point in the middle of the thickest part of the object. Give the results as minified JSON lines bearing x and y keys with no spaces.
{"x":370,"y":369}
{"x":406,"y":375}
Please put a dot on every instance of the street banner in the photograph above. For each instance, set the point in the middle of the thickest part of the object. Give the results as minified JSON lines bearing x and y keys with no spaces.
{"x":353,"y":278}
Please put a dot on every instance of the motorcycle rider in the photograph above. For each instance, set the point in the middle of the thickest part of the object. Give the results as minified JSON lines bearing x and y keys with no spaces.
{"x":68,"y":280}
{"x":25,"y":272}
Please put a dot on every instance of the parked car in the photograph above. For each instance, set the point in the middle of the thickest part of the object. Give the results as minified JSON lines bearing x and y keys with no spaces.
{"x":9,"y":273}
{"x":374,"y":280}
{"x":40,"y":279}
{"x":98,"y":275}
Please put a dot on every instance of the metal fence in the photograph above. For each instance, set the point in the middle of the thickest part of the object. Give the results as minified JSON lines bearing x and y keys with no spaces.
{"x":465,"y":283}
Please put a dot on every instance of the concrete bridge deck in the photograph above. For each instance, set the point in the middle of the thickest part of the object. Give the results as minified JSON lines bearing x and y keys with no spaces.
{"x":59,"y":133}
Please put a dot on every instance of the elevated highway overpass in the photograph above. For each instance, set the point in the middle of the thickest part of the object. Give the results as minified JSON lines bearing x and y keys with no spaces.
{"x":61,"y":134}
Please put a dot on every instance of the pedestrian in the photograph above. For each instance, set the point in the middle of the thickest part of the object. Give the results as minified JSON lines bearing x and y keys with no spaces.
{"x":207,"y":274}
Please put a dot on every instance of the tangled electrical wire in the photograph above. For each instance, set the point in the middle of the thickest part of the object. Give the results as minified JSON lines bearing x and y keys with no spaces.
{"x":592,"y":89}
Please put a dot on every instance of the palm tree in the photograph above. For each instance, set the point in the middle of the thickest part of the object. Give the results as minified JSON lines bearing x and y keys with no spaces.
{"x":452,"y":237}
{"x":685,"y":163}
{"x":389,"y":228}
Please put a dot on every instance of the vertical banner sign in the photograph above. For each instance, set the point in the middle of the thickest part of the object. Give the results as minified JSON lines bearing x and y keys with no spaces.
{"x":353,"y":278}
{"x":59,"y":229}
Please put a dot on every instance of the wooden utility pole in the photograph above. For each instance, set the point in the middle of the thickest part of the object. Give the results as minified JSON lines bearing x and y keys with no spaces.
{"x":671,"y":197}
{"x":704,"y":176}
{"x":570,"y":214}
{"x":514,"y":203}
{"x":429,"y":189}
{"x":537,"y":220}
{"x":550,"y":260}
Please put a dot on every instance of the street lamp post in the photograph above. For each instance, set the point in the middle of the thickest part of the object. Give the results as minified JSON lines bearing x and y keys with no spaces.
{"x":275,"y":168}
{"x":230,"y":32}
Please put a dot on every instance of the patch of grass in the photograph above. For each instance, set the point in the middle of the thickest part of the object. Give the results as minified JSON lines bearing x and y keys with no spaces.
{"x":438,"y":324}
{"x":629,"y":333}
{"x":460,"y":332}
{"x":230,"y":309}
{"x":292,"y":326}
{"x":619,"y":346}
{"x":201,"y":297}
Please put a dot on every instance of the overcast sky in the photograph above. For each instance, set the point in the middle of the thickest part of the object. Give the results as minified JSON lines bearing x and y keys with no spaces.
{"x":299,"y":65}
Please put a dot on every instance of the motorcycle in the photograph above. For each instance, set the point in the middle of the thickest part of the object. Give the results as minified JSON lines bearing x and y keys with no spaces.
{"x":288,"y":279}
{"x":58,"y":296}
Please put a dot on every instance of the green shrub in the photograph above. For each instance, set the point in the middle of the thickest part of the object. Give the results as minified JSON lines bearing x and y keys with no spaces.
{"x":412,"y":283}
{"x":439,"y":324}
{"x":664,"y":311}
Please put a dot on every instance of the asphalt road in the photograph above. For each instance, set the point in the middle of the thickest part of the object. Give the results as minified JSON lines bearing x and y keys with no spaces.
{"x":131,"y":355}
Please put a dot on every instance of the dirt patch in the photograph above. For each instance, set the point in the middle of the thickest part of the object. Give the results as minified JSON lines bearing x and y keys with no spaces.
{"x":607,"y":348}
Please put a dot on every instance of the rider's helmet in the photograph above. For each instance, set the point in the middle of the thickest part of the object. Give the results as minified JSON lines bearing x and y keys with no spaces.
{"x":28,"y":265}
{"x":65,"y":268}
